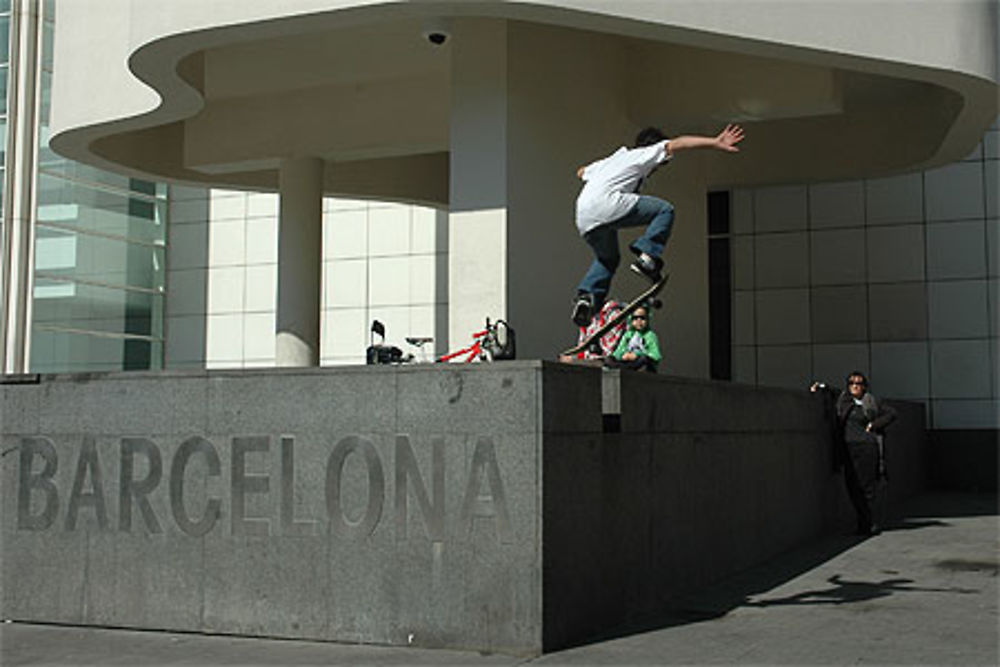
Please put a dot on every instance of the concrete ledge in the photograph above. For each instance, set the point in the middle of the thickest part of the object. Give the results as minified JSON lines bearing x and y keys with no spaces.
{"x":463,"y":506}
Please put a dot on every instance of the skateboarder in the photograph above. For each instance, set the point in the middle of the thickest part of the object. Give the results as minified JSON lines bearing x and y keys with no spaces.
{"x":609,"y":201}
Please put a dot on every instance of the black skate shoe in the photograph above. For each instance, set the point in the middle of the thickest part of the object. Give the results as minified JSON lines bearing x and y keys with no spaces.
{"x":583,"y":309}
{"x":648,"y":266}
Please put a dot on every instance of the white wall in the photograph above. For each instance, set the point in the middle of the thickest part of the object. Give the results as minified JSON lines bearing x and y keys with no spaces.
{"x":387,"y":262}
{"x":380,"y":261}
{"x":897,"y":277}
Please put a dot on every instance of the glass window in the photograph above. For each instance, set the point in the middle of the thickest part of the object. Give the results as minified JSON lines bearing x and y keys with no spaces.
{"x":99,"y":253}
{"x":4,"y":39}
{"x":3,"y":90}
{"x":48,"y":159}
{"x":48,"y":44}
{"x":77,"y":306}
{"x":69,"y":255}
{"x":5,"y":6}
{"x":55,"y":165}
{"x":45,"y":103}
{"x":58,"y":351}
{"x":95,"y":210}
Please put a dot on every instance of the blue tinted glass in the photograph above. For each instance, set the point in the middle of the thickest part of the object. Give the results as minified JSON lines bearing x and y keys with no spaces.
{"x":71,"y":305}
{"x":57,"y":166}
{"x":68,"y":254}
{"x":46,"y":102}
{"x":4,"y":39}
{"x":55,"y":350}
{"x":48,"y":43}
{"x":96,"y":210}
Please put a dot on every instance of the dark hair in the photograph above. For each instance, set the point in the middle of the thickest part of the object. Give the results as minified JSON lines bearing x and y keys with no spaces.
{"x":648,"y":136}
{"x":856,"y":374}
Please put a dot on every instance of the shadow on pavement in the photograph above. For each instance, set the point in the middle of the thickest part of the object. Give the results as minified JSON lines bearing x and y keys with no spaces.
{"x":845,"y":591}
{"x":722,"y":597}
{"x":717,"y":600}
{"x":914,"y":524}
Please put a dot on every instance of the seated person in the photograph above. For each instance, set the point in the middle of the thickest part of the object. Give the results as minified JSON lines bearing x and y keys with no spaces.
{"x":639,"y":347}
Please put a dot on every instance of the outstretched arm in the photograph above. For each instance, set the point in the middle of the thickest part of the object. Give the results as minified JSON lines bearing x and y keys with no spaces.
{"x":724,"y":141}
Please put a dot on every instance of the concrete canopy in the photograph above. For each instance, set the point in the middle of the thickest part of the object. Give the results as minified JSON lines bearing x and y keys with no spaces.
{"x":229,"y":88}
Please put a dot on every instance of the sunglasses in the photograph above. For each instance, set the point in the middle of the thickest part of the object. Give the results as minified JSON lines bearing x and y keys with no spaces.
{"x":638,"y":317}
{"x":856,"y":383}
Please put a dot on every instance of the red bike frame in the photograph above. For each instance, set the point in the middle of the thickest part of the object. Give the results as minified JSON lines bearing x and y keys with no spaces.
{"x":473,"y":351}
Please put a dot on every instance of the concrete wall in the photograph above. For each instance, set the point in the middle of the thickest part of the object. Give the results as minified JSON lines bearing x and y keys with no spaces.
{"x":697,"y":481}
{"x":478,"y":507}
{"x":240,"y":527}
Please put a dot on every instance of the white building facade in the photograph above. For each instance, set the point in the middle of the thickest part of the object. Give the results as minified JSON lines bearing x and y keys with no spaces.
{"x":432,"y":186}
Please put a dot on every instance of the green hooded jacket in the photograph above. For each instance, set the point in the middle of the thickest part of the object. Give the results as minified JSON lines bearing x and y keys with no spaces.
{"x":650,"y":345}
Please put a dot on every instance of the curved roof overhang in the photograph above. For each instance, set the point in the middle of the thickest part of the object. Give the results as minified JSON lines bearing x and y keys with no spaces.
{"x":219,"y":93}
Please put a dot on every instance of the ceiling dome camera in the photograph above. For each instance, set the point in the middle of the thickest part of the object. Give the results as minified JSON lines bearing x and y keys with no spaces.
{"x":437,"y":38}
{"x":436,"y":32}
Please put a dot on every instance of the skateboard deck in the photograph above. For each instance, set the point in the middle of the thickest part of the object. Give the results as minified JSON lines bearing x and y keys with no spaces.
{"x":647,"y":294}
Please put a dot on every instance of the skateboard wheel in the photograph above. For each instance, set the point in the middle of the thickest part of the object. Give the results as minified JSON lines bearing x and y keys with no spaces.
{"x":657,"y":303}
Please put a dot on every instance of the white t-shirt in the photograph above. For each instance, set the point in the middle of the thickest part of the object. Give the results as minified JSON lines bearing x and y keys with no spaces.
{"x":609,"y":185}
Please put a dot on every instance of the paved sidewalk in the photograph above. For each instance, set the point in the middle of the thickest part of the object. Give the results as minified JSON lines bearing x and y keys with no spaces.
{"x":922,"y":593}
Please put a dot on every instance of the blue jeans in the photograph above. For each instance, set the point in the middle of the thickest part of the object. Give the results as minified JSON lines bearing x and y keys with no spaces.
{"x":603,"y":240}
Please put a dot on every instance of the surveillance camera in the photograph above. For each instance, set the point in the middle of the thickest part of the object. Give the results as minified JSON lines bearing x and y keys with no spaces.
{"x":437,"y":38}
{"x":436,"y":32}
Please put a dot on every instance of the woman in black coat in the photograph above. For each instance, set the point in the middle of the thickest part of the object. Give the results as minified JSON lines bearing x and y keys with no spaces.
{"x":861,"y":420}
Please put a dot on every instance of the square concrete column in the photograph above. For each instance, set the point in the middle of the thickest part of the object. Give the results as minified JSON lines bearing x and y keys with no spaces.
{"x":300,"y":252}
{"x":522,"y":121}
{"x":477,"y":239}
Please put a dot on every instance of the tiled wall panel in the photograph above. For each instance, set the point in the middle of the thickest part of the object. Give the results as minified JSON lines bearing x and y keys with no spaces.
{"x":898,"y":277}
{"x":897,"y":311}
{"x":894,"y":200}
{"x":380,"y":261}
{"x":956,"y":250}
{"x":837,"y":205}
{"x":837,"y":257}
{"x":780,"y":209}
{"x":782,"y":260}
{"x":839,"y":314}
{"x":895,"y":253}
{"x":782,"y":316}
{"x":957,"y":309}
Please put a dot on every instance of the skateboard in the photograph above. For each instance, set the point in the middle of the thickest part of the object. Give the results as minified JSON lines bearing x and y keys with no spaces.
{"x":645,"y":296}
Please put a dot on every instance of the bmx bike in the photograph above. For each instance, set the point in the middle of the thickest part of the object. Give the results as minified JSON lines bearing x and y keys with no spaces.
{"x":495,"y":341}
